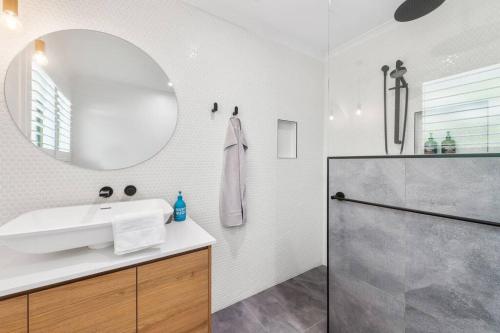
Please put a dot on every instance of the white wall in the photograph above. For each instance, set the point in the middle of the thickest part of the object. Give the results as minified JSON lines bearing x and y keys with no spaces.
{"x":459,"y":36}
{"x":208,"y":61}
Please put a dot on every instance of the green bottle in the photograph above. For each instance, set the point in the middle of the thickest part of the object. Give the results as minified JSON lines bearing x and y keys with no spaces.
{"x":431,"y":146}
{"x":448,"y":146}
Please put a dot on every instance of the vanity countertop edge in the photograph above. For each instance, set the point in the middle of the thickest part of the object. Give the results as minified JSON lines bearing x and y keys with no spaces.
{"x":21,"y":273}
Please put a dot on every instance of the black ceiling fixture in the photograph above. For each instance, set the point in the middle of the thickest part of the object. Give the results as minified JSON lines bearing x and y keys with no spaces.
{"x":414,"y":9}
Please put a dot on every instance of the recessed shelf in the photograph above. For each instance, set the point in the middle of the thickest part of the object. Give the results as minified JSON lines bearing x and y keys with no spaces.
{"x":287,"y":139}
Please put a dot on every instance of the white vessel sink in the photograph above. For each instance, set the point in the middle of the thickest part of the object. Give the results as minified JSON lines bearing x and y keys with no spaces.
{"x":57,"y":229}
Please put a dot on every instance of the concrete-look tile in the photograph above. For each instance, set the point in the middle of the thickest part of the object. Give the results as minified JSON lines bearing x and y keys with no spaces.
{"x":456,"y":186}
{"x":453,"y":272}
{"x":294,"y":306}
{"x":306,"y":309}
{"x":318,"y":328}
{"x":368,"y":243}
{"x":315,"y":276}
{"x":359,"y":307}
{"x":271,"y":314}
{"x":375,"y":180}
{"x":419,"y":322}
{"x":313,"y":282}
{"x":235,"y":318}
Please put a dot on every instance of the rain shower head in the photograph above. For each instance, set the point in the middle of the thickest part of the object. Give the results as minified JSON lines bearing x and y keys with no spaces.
{"x":414,"y":9}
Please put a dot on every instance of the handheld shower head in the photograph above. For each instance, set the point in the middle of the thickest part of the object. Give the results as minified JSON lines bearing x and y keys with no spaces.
{"x":400,"y":70}
{"x":398,"y":73}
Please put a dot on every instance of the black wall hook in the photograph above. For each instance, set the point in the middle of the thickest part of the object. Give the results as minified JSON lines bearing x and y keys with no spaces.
{"x":235,"y":113}
{"x":215,"y":108}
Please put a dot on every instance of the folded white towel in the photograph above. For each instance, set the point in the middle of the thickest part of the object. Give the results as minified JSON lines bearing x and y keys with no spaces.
{"x":138,"y":231}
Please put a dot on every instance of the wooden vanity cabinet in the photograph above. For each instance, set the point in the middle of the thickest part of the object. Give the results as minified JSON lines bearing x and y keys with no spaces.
{"x":14,"y":315}
{"x":106,"y":303}
{"x":170,"y":295}
{"x":173,"y":296}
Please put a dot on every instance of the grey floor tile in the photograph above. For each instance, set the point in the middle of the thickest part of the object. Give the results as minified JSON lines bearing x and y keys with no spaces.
{"x":273,"y":316}
{"x":312,"y":283}
{"x":235,"y":318}
{"x":294,"y":306}
{"x":304,"y":306}
{"x":315,"y":276}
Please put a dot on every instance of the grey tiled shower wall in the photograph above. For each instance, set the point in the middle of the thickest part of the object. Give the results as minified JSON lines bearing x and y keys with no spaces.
{"x":392,"y":271}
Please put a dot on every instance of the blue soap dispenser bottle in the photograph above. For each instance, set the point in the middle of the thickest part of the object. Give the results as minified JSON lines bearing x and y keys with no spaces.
{"x":179,"y":209}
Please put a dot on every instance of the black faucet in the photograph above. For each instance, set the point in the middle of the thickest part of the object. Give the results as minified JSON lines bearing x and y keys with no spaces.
{"x":105,"y":192}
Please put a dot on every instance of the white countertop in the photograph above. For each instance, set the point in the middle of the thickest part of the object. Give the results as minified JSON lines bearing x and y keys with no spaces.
{"x":21,"y":272}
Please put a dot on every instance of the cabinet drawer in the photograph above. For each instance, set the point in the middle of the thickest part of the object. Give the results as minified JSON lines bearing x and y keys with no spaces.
{"x":105,"y":303}
{"x":14,"y":315}
{"x":174,"y":294}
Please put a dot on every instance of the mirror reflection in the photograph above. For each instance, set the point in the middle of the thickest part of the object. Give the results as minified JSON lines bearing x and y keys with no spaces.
{"x":91,"y":99}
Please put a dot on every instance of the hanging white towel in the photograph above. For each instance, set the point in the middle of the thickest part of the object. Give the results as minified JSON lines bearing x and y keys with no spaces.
{"x":138,"y":231}
{"x":232,"y":204}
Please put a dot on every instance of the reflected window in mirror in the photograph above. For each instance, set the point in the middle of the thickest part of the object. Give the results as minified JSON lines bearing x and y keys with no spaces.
{"x":50,"y":115}
{"x":461,"y":113}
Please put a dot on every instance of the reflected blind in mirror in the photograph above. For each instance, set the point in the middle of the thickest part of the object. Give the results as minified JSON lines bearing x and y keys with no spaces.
{"x":50,"y":115}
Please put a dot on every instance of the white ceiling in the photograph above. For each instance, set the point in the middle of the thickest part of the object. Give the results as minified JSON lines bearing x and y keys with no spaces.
{"x":353,"y":18}
{"x":303,"y":24}
{"x":299,"y":24}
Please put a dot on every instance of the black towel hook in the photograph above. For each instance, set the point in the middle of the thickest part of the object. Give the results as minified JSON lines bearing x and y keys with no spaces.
{"x":235,"y":113}
{"x":215,"y":108}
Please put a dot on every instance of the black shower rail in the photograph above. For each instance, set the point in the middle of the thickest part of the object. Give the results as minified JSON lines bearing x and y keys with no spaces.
{"x":340,"y":196}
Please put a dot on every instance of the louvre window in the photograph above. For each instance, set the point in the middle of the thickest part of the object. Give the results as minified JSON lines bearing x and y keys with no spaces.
{"x":466,"y":105}
{"x":50,"y":114}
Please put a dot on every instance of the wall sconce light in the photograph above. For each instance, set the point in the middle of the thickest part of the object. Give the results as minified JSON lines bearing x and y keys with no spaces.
{"x":39,"y":56}
{"x":10,"y":14}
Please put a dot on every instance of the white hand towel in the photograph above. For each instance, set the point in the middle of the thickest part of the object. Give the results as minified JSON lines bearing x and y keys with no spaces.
{"x":138,"y":231}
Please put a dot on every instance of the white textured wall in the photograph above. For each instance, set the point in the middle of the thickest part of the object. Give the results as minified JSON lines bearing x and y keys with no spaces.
{"x":208,"y":60}
{"x":459,"y":36}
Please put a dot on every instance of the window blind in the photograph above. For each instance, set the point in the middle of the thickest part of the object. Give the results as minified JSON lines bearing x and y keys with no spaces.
{"x":468,"y":106}
{"x":50,"y":113}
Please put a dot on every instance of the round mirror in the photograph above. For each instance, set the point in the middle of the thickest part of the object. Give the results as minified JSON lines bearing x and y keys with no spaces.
{"x":91,"y":99}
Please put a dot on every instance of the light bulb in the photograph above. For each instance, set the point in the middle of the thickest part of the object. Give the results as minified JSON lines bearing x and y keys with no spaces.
{"x":331,"y":117}
{"x":170,"y":84}
{"x":359,"y":111}
{"x":40,"y":58}
{"x":11,"y":20}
